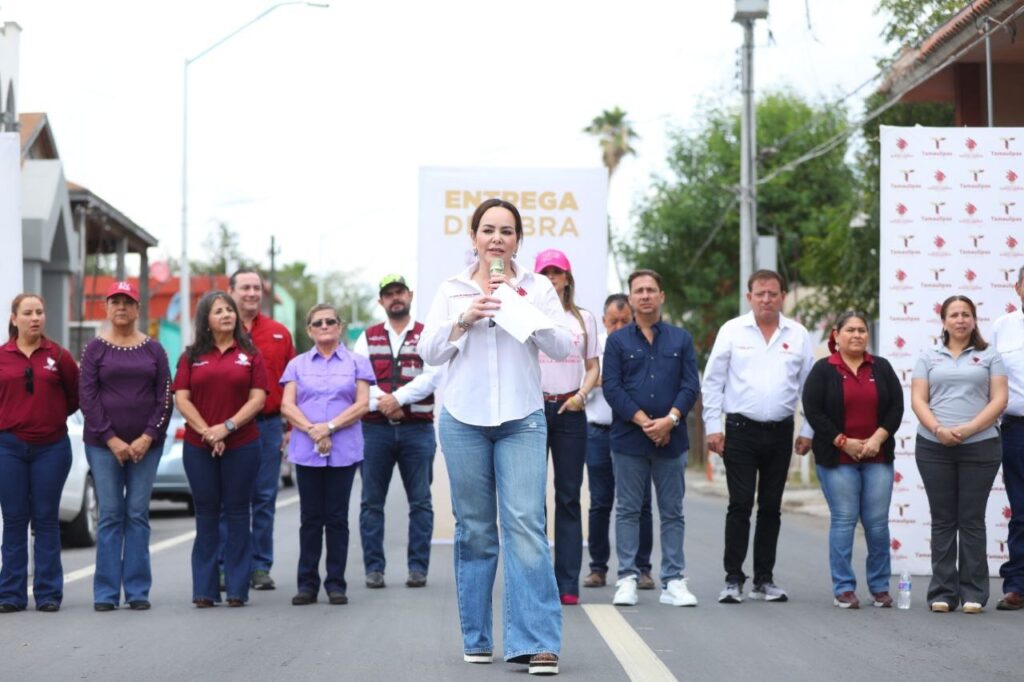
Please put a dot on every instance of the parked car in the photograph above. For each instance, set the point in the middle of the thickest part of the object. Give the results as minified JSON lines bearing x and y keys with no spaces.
{"x":171,"y":481}
{"x":79,"y":511}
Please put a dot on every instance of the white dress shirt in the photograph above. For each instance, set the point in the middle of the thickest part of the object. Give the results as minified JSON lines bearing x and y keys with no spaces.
{"x":492,"y":378}
{"x":414,"y":391}
{"x":762,"y":381}
{"x":598,"y":409}
{"x":1008,"y":339}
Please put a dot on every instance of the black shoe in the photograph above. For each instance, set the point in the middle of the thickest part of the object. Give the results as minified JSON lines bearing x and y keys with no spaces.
{"x":416,"y":579}
{"x":8,"y":608}
{"x":375,"y":580}
{"x":48,"y":607}
{"x":337,"y":598}
{"x":303,"y":599}
{"x":103,"y":606}
{"x":139,"y":605}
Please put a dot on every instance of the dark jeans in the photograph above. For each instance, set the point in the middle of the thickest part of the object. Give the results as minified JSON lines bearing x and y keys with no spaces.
{"x":756,"y":459}
{"x":601,"y":478}
{"x":1012,"y":571}
{"x":411,"y":447}
{"x":958,"y":481}
{"x":222,"y":484}
{"x":567,"y":441}
{"x":324,"y":494}
{"x":264,"y":496}
{"x":31,"y":481}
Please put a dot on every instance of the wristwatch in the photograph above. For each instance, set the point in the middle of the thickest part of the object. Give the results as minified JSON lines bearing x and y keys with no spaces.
{"x":230,"y":425}
{"x":331,"y":427}
{"x":674,"y":418}
{"x":462,"y":324}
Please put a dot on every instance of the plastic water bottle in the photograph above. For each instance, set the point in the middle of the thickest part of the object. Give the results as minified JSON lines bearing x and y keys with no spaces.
{"x":903,"y":598}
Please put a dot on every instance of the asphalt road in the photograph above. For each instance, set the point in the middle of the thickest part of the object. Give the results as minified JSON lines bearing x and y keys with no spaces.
{"x":413,"y":634}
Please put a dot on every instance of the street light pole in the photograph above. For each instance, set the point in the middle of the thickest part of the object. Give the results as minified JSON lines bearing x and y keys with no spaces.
{"x":748,"y":11}
{"x":185,"y":291}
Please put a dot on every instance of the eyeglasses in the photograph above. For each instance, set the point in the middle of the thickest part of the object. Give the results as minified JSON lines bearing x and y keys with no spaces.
{"x":29,"y":386}
{"x":328,"y":321}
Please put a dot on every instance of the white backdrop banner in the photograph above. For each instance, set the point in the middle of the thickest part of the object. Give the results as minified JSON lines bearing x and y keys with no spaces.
{"x":952,"y":222}
{"x":563,"y":209}
{"x":11,"y":282}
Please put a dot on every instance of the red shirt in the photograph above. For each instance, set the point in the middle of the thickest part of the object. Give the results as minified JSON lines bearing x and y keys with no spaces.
{"x":860,"y":404}
{"x":219,"y":384}
{"x":40,"y":416}
{"x":275,"y":345}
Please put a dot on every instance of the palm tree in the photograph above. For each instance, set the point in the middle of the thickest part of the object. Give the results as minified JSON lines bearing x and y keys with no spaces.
{"x":615,"y":134}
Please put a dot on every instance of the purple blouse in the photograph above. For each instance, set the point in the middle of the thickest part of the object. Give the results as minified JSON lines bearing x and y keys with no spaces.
{"x":324,"y":387}
{"x":125,"y":391}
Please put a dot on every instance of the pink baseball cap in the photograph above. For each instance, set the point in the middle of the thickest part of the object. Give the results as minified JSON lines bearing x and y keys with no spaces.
{"x":125,"y":289}
{"x":551,"y":257}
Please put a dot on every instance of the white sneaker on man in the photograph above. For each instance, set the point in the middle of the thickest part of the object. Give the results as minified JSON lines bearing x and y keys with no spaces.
{"x":676,"y":593}
{"x":625,"y":591}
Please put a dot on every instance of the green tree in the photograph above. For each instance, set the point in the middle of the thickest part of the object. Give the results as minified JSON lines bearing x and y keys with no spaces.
{"x":615,"y":135}
{"x":845,"y":261}
{"x":911,"y":21}
{"x":223,"y":253}
{"x":688,"y":228}
{"x":340,"y":289}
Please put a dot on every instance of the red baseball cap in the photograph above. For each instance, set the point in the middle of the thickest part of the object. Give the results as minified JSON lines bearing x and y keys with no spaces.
{"x":125,"y":289}
{"x":551,"y":257}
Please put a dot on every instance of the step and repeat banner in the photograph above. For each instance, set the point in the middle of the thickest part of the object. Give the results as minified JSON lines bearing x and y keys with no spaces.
{"x":564,"y":209}
{"x":952,"y":222}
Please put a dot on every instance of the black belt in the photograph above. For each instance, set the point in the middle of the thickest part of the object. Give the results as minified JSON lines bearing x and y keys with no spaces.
{"x":740,"y":420}
{"x":603,"y":427}
{"x":266,"y":417}
{"x":1013,"y":419}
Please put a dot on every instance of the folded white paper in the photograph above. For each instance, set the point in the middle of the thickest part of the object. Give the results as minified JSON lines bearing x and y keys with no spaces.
{"x":517,"y":316}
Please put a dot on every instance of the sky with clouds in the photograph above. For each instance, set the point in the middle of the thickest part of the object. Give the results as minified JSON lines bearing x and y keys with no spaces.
{"x":311,"y":124}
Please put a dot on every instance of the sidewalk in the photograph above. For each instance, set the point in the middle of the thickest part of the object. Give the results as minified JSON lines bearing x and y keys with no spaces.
{"x":803,"y":500}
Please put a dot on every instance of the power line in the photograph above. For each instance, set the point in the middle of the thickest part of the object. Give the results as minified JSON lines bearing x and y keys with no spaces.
{"x":833,"y":142}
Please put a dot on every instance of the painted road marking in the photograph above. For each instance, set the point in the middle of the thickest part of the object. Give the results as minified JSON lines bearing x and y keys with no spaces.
{"x":87,"y":571}
{"x":637,"y":659}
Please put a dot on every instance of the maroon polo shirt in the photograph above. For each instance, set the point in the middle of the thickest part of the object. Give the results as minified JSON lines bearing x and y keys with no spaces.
{"x":219,"y":384}
{"x":41,"y":416}
{"x":275,"y":345}
{"x":860,"y":404}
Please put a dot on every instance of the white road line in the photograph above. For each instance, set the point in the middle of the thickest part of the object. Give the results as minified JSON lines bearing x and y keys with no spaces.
{"x":87,"y":571}
{"x":637,"y":659}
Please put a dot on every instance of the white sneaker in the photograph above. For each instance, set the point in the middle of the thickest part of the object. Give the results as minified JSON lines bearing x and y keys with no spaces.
{"x":972,"y":607}
{"x":732,"y":594}
{"x":625,"y":591}
{"x":768,"y":591}
{"x":676,"y":593}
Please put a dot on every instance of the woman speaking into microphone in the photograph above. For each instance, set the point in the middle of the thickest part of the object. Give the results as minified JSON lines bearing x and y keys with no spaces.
{"x":494,"y":438}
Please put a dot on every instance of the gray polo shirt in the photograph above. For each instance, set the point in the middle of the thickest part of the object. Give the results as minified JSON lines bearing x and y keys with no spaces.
{"x":958,"y":388}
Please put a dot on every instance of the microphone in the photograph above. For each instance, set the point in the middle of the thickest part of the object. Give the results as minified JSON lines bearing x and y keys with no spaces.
{"x":497,"y":268}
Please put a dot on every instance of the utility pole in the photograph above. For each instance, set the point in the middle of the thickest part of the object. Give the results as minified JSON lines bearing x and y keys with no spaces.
{"x":273,"y":274}
{"x":747,"y":12}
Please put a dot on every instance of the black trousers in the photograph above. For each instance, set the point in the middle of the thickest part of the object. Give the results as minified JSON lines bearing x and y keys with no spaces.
{"x":756,"y":460}
{"x":957,"y":481}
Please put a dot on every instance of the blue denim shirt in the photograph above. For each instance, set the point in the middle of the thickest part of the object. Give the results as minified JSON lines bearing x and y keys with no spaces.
{"x":653,"y":377}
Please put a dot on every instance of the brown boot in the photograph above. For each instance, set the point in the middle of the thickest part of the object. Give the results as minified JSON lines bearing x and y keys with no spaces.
{"x":645,"y":582}
{"x":595,"y":579}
